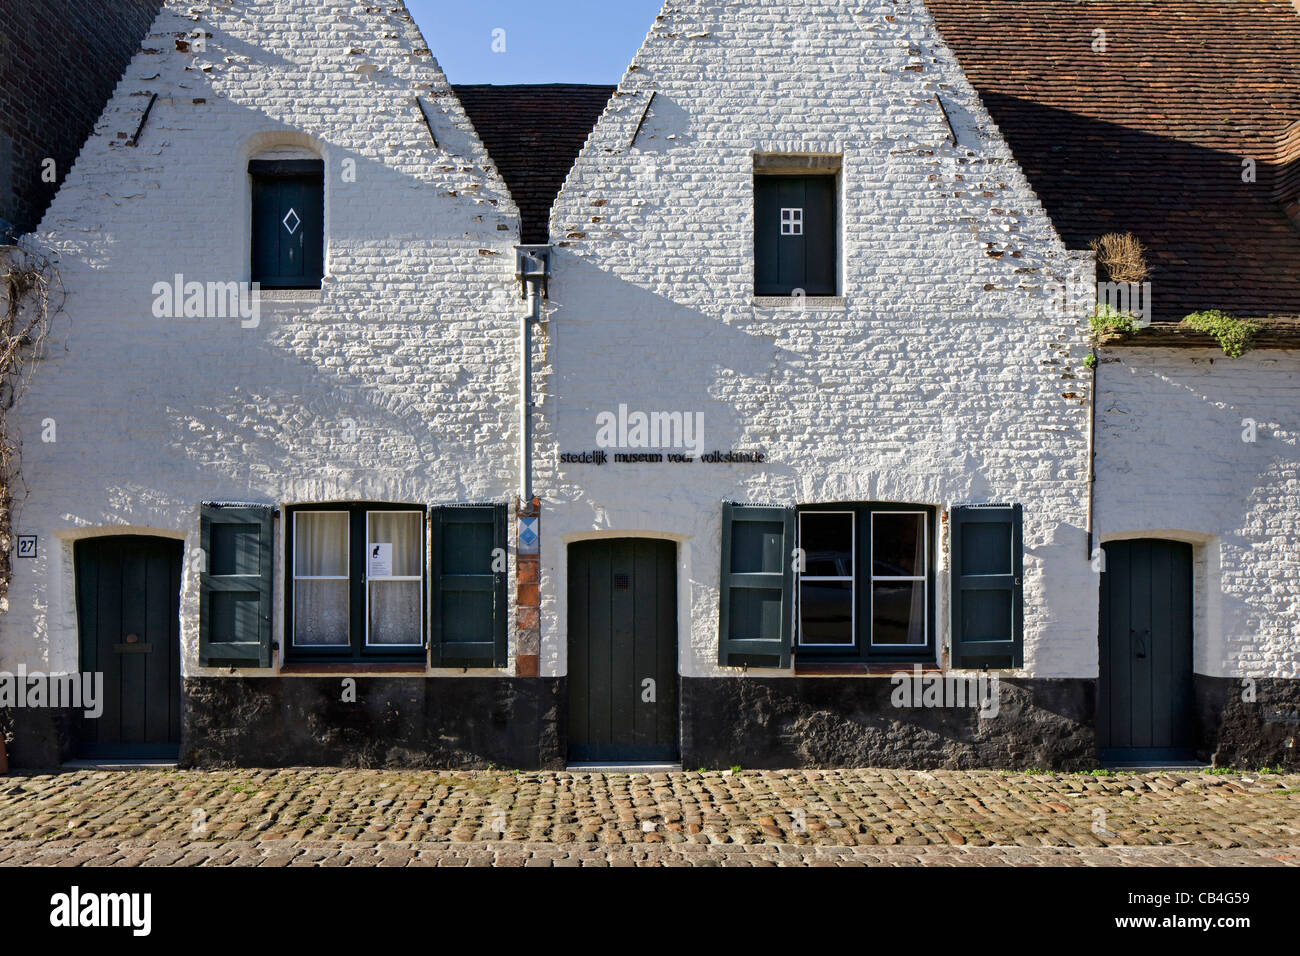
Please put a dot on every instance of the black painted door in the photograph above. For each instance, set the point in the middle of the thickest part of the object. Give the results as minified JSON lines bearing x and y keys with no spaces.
{"x":1145,"y":707}
{"x":623,"y":650}
{"x":128,"y":615}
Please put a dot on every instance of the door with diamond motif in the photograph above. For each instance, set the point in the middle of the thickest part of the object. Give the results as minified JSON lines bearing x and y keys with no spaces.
{"x":288,"y":225}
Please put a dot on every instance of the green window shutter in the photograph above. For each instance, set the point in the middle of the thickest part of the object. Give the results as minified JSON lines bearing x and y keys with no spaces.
{"x":468,"y":607}
{"x":235,"y":585}
{"x":756,"y":593}
{"x":988,"y":594}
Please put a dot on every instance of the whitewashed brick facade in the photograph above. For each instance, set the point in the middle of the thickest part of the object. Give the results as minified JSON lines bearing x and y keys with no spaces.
{"x":948,"y":370}
{"x":1175,"y":461}
{"x":941,"y":377}
{"x":397,"y":382}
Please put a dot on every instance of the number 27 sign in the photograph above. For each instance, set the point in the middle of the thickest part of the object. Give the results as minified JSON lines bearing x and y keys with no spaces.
{"x":27,"y":546}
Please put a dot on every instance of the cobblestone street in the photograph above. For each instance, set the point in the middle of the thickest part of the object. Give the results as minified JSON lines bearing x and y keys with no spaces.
{"x":330,"y":817}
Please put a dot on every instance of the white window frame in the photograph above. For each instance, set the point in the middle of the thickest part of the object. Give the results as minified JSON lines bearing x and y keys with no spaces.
{"x":924,"y":577}
{"x":366,"y":579}
{"x":346,"y":577}
{"x":792,"y":221}
{"x":851,"y":578}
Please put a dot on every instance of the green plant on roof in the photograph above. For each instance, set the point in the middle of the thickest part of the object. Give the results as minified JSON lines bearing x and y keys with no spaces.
{"x":1235,"y":336}
{"x":1108,"y":321}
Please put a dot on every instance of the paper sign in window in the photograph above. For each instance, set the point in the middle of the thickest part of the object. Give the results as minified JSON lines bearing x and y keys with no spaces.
{"x":379,"y":560}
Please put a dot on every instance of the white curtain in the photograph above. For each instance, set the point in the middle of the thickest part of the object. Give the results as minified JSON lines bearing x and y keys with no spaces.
{"x":395,"y":616}
{"x":320,"y":550}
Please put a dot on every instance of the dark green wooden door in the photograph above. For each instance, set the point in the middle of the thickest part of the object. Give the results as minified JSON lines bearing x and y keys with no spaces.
{"x":288,"y":231}
{"x":623,"y":650}
{"x":794,"y":235}
{"x":1145,"y":709}
{"x":128,"y":615}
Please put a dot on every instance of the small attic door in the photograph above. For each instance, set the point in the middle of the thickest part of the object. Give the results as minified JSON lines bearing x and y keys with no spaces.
{"x":288,"y":247}
{"x":794,"y":235}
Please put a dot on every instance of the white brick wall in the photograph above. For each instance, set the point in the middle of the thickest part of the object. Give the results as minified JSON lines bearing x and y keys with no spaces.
{"x":1171,"y":462}
{"x":945,"y":379}
{"x":412,"y":344}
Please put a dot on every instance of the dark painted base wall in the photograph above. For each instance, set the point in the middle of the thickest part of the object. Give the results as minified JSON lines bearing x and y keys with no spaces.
{"x":463,"y":723}
{"x":850,"y":722}
{"x":1250,"y":734}
{"x":756,"y":722}
{"x":39,"y":739}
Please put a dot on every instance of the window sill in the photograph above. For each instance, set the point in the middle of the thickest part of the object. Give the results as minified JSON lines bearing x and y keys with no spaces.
{"x":794,"y":303}
{"x":858,"y":669}
{"x":291,"y":295}
{"x":304,"y":668}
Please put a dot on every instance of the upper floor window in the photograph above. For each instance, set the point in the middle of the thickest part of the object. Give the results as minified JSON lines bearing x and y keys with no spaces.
{"x":288,"y":223}
{"x":795,"y":227}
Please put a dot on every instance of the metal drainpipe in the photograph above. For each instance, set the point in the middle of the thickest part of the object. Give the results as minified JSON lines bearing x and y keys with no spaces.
{"x":533,"y":269}
{"x":1092,"y":448}
{"x":526,"y":395}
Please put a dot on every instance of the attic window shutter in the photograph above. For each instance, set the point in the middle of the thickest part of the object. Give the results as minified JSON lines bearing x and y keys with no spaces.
{"x":795,"y":245}
{"x":988,"y":599}
{"x":468,"y":611}
{"x":756,"y":592}
{"x":288,"y":223}
{"x":235,"y":586}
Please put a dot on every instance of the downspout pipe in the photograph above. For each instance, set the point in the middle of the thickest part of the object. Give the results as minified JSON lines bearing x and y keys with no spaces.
{"x":1092,"y":453}
{"x":526,"y":392}
{"x":533,"y":269}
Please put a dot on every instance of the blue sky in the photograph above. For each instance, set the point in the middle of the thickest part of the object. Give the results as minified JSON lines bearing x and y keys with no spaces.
{"x":546,"y":41}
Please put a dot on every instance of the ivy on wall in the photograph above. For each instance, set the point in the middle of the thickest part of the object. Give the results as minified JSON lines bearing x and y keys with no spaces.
{"x":26,"y":284}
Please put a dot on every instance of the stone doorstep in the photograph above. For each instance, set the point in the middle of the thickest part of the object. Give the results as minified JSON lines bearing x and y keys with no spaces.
{"x":629,"y":768}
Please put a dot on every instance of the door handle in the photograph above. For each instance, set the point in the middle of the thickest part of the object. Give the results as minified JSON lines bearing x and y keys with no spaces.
{"x":1140,"y":645}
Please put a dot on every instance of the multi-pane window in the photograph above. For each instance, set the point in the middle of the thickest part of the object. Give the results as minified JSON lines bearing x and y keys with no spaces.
{"x":357,"y":581}
{"x":322,"y":582}
{"x":899,"y":579}
{"x":826,"y":587}
{"x":865,"y":588}
{"x":394,"y":578}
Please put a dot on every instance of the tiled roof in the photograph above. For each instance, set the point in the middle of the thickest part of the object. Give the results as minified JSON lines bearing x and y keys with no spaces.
{"x":534,"y":135}
{"x":1150,"y":135}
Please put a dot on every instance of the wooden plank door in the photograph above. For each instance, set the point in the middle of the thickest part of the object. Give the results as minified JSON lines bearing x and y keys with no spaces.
{"x":128,"y":616}
{"x":623,"y":651}
{"x":1145,"y":703}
